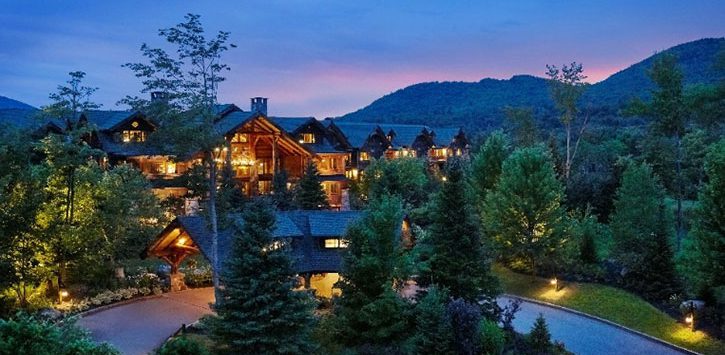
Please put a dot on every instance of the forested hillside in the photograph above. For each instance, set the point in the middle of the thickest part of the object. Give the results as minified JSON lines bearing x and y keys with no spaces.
{"x":478,"y":106}
{"x":6,"y":103}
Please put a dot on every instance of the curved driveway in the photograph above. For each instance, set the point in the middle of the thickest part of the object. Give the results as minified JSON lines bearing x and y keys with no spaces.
{"x":582,"y":335}
{"x":139,"y":327}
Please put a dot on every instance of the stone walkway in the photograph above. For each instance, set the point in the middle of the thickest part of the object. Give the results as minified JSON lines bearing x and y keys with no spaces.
{"x":140,"y":327}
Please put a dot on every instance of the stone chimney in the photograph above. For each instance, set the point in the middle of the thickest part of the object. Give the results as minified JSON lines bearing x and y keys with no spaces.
{"x":259,"y":104}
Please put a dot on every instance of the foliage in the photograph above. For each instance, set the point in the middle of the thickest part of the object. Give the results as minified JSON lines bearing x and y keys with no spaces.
{"x":369,"y":311}
{"x":641,"y":231}
{"x":458,"y":261}
{"x":405,"y":177}
{"x":27,"y":335}
{"x":464,"y":318}
{"x":704,"y":259}
{"x":433,"y":333}
{"x":539,"y":337}
{"x":524,"y":210}
{"x":281,"y":197}
{"x":585,"y":230}
{"x":259,"y":311}
{"x":487,"y":163}
{"x":522,"y":126}
{"x":492,"y":337}
{"x":309,"y":194}
{"x":70,"y":100}
{"x":183,"y":346}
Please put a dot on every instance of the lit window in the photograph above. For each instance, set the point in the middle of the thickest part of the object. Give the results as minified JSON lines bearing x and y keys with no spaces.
{"x":240,"y":138}
{"x":364,"y":156}
{"x":133,"y":136}
{"x":334,"y":188}
{"x":308,"y":138}
{"x":335,"y":243}
{"x":334,"y":164}
{"x":170,"y":167}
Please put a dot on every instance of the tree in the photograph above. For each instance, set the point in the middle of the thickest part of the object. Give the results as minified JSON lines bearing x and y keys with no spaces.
{"x":539,"y":337}
{"x":486,"y":164}
{"x":524,"y":210}
{"x":71,"y":100}
{"x":309,"y":194}
{"x":405,"y":177}
{"x":182,"y":346}
{"x":704,"y":259}
{"x":567,"y":87}
{"x":586,"y":229}
{"x":465,"y":319}
{"x":282,"y":197}
{"x":458,"y":262}
{"x":188,"y":84}
{"x":369,"y":312}
{"x":433,"y":332}
{"x":668,"y":115}
{"x":640,"y":231}
{"x":523,"y":127}
{"x":260,"y":311}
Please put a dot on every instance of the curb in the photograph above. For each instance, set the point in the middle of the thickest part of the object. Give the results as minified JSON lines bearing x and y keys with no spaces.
{"x":113,"y":305}
{"x":586,"y":315}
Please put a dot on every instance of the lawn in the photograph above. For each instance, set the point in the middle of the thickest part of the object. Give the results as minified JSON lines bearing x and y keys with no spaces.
{"x":612,"y":304}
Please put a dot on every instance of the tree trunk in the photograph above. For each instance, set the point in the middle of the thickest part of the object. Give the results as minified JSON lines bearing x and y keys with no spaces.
{"x":567,"y":164}
{"x":214,"y":227}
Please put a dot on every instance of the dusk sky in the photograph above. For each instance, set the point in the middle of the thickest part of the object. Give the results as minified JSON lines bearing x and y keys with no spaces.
{"x":326,"y":58}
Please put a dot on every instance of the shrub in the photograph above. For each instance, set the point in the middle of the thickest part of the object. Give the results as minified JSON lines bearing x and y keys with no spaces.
{"x":182,"y":346}
{"x":464,"y":319}
{"x":27,"y":335}
{"x":540,"y":338}
{"x":492,"y":337}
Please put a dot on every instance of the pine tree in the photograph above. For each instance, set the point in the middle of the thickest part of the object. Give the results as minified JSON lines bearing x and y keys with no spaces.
{"x":641,"y":230}
{"x":586,"y":229}
{"x":457,"y":261}
{"x":309,"y":194}
{"x":260,"y":312}
{"x":540,"y":338}
{"x":704,"y":259}
{"x":524,"y":210}
{"x":369,"y":312}
{"x":281,"y":195}
{"x":433,"y":332}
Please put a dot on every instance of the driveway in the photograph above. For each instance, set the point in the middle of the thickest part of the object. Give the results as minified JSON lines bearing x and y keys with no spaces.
{"x":583,"y":335}
{"x":139,"y":327}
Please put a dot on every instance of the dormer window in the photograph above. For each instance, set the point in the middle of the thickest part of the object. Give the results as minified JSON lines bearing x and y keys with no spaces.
{"x":240,"y":138}
{"x":133,"y":135}
{"x":335,"y":243}
{"x":307,"y":138}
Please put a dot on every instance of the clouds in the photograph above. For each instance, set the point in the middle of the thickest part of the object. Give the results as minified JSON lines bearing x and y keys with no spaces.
{"x":327,"y":58}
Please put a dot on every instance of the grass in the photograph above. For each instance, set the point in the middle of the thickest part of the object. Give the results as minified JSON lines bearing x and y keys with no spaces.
{"x":612,"y":304}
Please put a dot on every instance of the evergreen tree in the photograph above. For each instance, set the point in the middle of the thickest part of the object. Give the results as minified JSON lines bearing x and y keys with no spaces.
{"x":640,"y":231}
{"x":465,"y":319}
{"x":433,"y":332}
{"x":524,"y":210}
{"x":704,"y":259}
{"x":458,"y":262}
{"x":260,"y":312}
{"x":586,"y":230}
{"x":487,"y":163}
{"x":309,"y":194}
{"x":540,"y":338}
{"x":404,"y":177}
{"x":282,"y":197}
{"x":369,"y":311}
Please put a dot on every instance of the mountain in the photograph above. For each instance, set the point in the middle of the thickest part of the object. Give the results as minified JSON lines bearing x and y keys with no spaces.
{"x":479,"y":105}
{"x":6,"y":102}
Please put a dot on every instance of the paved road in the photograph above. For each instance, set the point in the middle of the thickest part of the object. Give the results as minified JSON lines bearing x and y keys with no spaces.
{"x":140,"y":327}
{"x":585,"y":336}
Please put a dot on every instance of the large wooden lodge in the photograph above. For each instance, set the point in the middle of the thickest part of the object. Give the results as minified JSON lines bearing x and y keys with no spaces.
{"x":260,"y":145}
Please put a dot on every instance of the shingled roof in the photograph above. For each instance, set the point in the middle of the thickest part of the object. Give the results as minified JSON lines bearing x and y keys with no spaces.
{"x":107,"y":119}
{"x":303,"y":228}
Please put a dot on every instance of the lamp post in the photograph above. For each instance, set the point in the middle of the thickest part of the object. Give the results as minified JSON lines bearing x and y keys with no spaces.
{"x":62,"y":294}
{"x":690,"y":320}
{"x":554,"y":282}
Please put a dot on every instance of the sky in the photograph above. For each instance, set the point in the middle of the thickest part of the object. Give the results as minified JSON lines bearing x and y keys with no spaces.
{"x":328,"y":58}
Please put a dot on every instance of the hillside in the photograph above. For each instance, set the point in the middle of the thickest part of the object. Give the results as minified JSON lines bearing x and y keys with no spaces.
{"x":6,"y":103}
{"x":478,"y":105}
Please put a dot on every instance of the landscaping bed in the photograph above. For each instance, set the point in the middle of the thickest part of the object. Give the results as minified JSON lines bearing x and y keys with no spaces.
{"x":610,"y":303}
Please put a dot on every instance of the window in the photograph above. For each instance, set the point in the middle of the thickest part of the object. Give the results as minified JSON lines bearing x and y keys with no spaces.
{"x":334,"y":164}
{"x":335,"y":243}
{"x":364,"y":156}
{"x":133,"y":136}
{"x":334,"y":188}
{"x":240,"y":138}
{"x":307,"y":138}
{"x":170,"y":167}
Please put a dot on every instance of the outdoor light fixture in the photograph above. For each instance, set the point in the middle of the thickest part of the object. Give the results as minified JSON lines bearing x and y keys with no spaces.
{"x":444,"y":178}
{"x":690,"y":320}
{"x":61,"y":295}
{"x":554,"y":282}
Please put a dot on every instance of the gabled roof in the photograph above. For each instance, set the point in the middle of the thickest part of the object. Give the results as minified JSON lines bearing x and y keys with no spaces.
{"x":303,"y":228}
{"x":445,"y":136}
{"x":291,"y":124}
{"x":356,"y":133}
{"x":108,"y":120}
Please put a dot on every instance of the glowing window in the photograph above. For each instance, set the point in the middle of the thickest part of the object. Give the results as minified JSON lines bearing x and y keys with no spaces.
{"x":308,"y":138}
{"x":335,"y":243}
{"x":240,"y":138}
{"x":364,"y":156}
{"x":133,"y":136}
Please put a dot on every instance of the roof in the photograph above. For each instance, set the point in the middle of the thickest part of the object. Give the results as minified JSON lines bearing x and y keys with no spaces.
{"x":444,"y":136}
{"x":291,"y":124}
{"x":106,"y":120}
{"x":127,"y":149}
{"x":303,"y":228}
{"x":356,"y":133}
{"x":405,"y":134}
